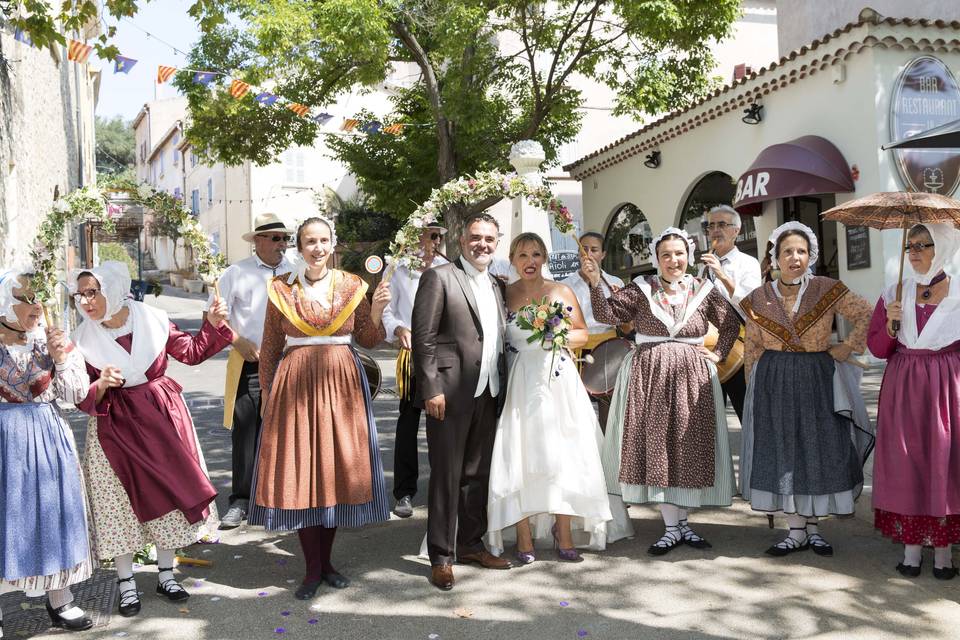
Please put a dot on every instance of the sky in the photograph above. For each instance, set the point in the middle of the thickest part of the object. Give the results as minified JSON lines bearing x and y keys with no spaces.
{"x":167,"y":20}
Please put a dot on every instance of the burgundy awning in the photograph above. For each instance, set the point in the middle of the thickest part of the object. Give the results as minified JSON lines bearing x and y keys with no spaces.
{"x":808,"y":165}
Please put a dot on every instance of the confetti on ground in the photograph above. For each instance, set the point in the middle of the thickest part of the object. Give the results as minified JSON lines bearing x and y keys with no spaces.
{"x":120,"y":634}
{"x":262,"y":593}
{"x":197,"y":584}
{"x":207,"y":551}
{"x":282,"y":562}
{"x":463,"y":612}
{"x":214,"y":598}
{"x":184,"y":610}
{"x":290,"y":581}
{"x":284,"y":613}
{"x":582,"y":633}
{"x":312,"y":621}
{"x":237,"y":557}
{"x":279,"y":630}
{"x":564,"y":604}
{"x":434,"y":636}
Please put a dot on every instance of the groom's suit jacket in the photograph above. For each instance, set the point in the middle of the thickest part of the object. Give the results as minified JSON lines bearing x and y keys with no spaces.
{"x":448,"y":338}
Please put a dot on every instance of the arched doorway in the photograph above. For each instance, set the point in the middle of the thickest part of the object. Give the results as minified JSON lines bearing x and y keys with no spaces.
{"x":711,"y":190}
{"x":626,"y":239}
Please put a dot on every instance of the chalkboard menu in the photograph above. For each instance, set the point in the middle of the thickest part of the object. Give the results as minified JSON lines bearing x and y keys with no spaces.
{"x":563,"y":264}
{"x":858,"y":248}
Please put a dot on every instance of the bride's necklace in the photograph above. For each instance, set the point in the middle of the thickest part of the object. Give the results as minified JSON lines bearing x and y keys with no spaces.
{"x":928,"y":291}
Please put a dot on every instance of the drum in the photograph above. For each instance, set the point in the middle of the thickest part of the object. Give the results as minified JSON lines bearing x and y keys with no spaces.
{"x":734,"y":361}
{"x":600,"y":376}
{"x":372,"y":369}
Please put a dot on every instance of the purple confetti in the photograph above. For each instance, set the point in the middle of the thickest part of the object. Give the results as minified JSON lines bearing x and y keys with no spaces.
{"x":582,"y":633}
{"x":284,"y":613}
{"x":197,"y":584}
{"x":262,"y":593}
{"x":564,"y":604}
{"x":282,"y":562}
{"x":279,"y":630}
{"x":312,"y":621}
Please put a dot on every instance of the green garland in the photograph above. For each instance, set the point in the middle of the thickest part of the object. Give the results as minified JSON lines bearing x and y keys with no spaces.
{"x":90,"y":203}
{"x":465,"y":191}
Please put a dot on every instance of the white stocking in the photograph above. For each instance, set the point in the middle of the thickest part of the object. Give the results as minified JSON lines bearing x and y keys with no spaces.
{"x":671,"y":514}
{"x":61,"y":597}
{"x":798,"y":527}
{"x":942,"y":557}
{"x":912,"y":554}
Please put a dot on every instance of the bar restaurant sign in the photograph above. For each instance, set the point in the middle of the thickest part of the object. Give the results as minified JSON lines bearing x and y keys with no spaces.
{"x":926,"y":95}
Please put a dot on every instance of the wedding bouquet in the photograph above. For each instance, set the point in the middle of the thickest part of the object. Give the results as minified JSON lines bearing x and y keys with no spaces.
{"x":548,"y":323}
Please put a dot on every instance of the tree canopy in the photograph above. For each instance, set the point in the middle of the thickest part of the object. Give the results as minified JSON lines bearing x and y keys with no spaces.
{"x":116,"y":147}
{"x":489,"y":73}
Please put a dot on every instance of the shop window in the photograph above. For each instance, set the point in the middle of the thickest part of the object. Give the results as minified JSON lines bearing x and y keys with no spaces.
{"x":711,"y":190}
{"x":627,"y":242}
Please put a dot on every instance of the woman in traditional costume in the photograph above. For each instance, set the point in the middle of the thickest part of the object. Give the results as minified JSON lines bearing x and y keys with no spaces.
{"x":546,"y":477}
{"x":43,"y":522}
{"x":806,"y":433}
{"x":666,"y":440}
{"x":318,"y":465}
{"x":916,"y":467}
{"x":145,"y":473}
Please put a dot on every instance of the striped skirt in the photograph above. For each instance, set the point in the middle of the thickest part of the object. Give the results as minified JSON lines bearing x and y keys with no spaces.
{"x":724,"y":485}
{"x":339,"y":515}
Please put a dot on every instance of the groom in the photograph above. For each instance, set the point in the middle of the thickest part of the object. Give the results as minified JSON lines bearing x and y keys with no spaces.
{"x":458,"y":319}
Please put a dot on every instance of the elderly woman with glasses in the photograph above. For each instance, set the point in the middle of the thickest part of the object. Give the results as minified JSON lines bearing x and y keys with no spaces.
{"x":145,"y":472}
{"x":916,"y":469}
{"x":43,"y":522}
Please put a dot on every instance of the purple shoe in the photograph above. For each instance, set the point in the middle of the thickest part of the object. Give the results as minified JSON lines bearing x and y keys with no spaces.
{"x":525,"y":557}
{"x":564,"y":555}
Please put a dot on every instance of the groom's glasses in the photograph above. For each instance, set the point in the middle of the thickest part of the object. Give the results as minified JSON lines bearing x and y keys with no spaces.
{"x":86,"y":296}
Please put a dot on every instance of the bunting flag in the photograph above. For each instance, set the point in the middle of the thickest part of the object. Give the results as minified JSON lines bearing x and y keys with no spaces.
{"x":322,"y":119}
{"x":239,"y":88}
{"x":394,"y":129}
{"x":266,"y":99}
{"x":349,"y":124}
{"x":165,"y":73}
{"x":204,"y":77}
{"x":77,"y":51}
{"x":20,"y":35}
{"x":123,"y":65}
{"x":298,"y":109}
{"x":371,"y":127}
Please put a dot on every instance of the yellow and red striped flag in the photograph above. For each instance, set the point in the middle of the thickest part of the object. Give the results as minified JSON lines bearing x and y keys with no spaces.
{"x":299,"y":109}
{"x":239,"y":88}
{"x":394,"y":129}
{"x":165,"y":73}
{"x":77,"y":51}
{"x":349,"y":124}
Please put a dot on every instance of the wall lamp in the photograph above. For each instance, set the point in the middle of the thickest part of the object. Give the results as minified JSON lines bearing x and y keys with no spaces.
{"x":753,"y":114}
{"x":653,"y":160}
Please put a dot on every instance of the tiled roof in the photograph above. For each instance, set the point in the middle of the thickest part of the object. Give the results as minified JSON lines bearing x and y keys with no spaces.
{"x":866,"y":17}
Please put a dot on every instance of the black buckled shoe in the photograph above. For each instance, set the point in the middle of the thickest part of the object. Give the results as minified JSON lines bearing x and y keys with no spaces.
{"x":129,"y":604}
{"x":77,"y":624}
{"x":170,"y":588}
{"x":307,"y":590}
{"x":671,"y":538}
{"x":789,"y":545}
{"x":909,"y":571}
{"x":945,"y":573}
{"x":335,"y":580}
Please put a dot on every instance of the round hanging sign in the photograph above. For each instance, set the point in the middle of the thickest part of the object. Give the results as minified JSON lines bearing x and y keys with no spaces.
{"x":373,"y":264}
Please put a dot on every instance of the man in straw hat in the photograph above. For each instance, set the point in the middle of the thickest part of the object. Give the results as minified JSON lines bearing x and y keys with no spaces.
{"x":397,"y":320}
{"x":243,"y":287}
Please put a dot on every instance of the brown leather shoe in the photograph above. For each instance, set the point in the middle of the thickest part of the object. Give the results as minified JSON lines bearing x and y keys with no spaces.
{"x":441,"y":576}
{"x":485,"y":559}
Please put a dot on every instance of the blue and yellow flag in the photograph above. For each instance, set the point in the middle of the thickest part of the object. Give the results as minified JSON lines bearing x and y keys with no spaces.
{"x":123,"y":64}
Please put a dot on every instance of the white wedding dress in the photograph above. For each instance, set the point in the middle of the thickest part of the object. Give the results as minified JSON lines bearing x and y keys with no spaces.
{"x":546,"y":457}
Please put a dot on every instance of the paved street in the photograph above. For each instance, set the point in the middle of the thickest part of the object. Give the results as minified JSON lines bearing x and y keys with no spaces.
{"x":730,"y":591}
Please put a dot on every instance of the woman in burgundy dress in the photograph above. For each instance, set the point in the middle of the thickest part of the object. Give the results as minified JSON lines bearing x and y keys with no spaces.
{"x":916,"y":469}
{"x":145,"y":473}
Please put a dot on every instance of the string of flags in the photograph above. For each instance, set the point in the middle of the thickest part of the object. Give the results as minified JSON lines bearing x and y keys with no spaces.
{"x":79,"y":52}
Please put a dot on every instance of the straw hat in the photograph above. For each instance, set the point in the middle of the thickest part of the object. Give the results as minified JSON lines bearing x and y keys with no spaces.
{"x":265,"y":223}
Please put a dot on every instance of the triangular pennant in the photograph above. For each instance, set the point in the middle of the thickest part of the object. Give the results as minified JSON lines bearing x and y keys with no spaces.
{"x":77,"y":51}
{"x":266,"y":99}
{"x":22,"y":36}
{"x":204,"y":77}
{"x":239,"y":88}
{"x":349,"y":124}
{"x":371,"y":127}
{"x":395,"y":129}
{"x":122,"y":64}
{"x":322,"y":118}
{"x":164,"y":73}
{"x":299,"y":109}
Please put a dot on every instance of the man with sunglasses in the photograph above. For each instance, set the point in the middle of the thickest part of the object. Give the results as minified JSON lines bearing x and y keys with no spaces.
{"x":397,"y":321}
{"x":243,"y":287}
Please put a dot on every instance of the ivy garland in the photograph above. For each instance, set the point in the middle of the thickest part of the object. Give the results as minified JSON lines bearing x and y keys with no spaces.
{"x":465,"y":191}
{"x":90,"y":203}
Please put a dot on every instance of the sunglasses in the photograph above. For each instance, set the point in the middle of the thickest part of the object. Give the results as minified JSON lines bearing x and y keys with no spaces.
{"x":277,"y":238}
{"x":26,"y":300}
{"x":917,"y":247}
{"x":86,"y":296}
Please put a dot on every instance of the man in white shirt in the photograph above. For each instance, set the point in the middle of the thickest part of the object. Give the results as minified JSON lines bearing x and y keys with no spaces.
{"x":397,"y":320}
{"x":735,"y":275}
{"x":592,"y":243}
{"x":243,"y":287}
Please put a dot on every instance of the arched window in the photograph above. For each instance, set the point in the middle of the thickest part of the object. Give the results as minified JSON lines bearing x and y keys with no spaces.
{"x":626,"y":241}
{"x":711,"y":190}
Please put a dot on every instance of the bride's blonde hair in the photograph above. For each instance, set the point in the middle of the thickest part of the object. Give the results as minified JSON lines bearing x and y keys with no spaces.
{"x":526,"y":238}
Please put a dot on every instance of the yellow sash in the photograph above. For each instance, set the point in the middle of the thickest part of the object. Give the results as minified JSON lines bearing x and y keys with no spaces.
{"x":234,"y":369}
{"x":290,"y":313}
{"x":404,"y":373}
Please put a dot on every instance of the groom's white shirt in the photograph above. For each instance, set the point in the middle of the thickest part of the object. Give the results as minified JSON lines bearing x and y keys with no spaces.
{"x":487,"y":303}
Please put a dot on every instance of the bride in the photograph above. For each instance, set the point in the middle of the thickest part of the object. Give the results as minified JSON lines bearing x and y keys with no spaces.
{"x":546,"y":477}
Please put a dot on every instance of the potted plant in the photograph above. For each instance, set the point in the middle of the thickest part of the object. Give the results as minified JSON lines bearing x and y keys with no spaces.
{"x":193,"y":284}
